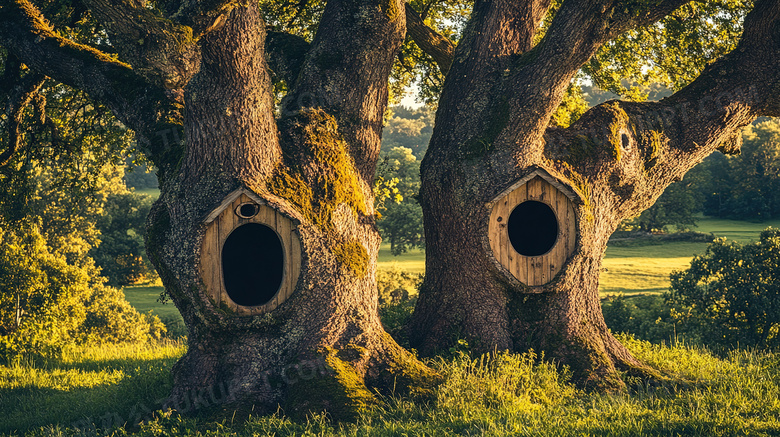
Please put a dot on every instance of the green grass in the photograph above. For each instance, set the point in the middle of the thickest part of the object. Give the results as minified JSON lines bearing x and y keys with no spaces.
{"x":85,"y":383}
{"x":144,"y":299}
{"x":154,"y":192}
{"x":646,"y":269}
{"x":412,"y":261}
{"x":507,"y":394}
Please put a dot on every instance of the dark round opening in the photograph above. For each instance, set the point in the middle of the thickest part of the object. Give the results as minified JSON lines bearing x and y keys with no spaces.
{"x":533,"y":228}
{"x":247,"y":210}
{"x":252,"y":264}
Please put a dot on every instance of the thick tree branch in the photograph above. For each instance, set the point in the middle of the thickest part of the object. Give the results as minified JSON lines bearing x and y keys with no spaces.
{"x":160,"y":50}
{"x":144,"y":108}
{"x":346,"y":72}
{"x":646,"y":146}
{"x":578,"y":30}
{"x":437,"y":46}
{"x":203,"y":16}
{"x":285,"y":54}
{"x":496,"y":34}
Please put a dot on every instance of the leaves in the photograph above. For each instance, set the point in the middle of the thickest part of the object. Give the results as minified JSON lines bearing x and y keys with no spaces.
{"x":731,"y":294}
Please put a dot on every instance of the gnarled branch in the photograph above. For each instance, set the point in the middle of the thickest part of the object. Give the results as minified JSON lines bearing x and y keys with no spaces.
{"x":285,"y":54}
{"x":646,"y":146}
{"x":437,"y":46}
{"x":145,"y":109}
{"x":20,"y":92}
{"x":160,"y":50}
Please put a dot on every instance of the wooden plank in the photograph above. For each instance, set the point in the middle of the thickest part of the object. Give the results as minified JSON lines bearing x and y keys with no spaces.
{"x":516,"y":262}
{"x":215,"y":264}
{"x":505,"y":251}
{"x":284,"y":229}
{"x":534,"y":193}
{"x":494,"y":229}
{"x":542,"y":271}
{"x":297,"y":260}
{"x":561,"y":204}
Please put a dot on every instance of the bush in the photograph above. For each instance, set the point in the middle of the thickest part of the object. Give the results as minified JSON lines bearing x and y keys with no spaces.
{"x":395,"y":285}
{"x":397,"y":296}
{"x":730,"y":296}
{"x":45,"y":303}
{"x":111,"y":319}
{"x":647,"y":317}
{"x":121,"y":254}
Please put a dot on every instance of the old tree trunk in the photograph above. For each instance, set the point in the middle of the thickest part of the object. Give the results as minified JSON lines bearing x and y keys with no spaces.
{"x":493,"y":133}
{"x":200,"y":98}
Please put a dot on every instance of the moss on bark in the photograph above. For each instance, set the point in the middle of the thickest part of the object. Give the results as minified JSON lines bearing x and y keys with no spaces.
{"x":321,"y":175}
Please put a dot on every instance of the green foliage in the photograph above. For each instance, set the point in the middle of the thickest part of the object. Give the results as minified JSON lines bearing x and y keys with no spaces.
{"x":139,"y":176}
{"x":571,"y":108}
{"x":40,"y":294}
{"x":121,"y":254}
{"x":401,"y":221}
{"x":730,"y":296}
{"x":677,"y":206}
{"x":409,"y":128}
{"x":647,"y":317}
{"x":672,"y":51}
{"x":747,"y":186}
{"x":46,"y":303}
{"x":395,"y":285}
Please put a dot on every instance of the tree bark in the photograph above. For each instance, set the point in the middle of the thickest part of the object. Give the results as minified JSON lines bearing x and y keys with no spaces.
{"x":198,"y":94}
{"x":323,"y":348}
{"x":617,"y":159}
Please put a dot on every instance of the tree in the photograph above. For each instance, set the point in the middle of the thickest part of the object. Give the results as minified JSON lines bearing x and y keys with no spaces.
{"x":493,"y":128}
{"x":747,"y":186}
{"x":677,"y":205}
{"x":120,"y":254}
{"x":730,"y":296}
{"x":47,"y":303}
{"x":408,"y":128}
{"x":401,"y":219}
{"x":193,"y":81}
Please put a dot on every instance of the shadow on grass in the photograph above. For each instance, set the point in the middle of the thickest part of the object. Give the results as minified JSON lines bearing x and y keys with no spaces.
{"x":105,"y":392}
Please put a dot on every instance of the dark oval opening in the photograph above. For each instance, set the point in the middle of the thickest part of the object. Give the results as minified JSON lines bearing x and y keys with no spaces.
{"x":252,"y":264}
{"x":533,"y":228}
{"x":248,"y":210}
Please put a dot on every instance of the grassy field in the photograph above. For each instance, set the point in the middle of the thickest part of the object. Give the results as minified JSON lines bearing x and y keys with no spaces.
{"x":154,"y":192}
{"x":109,"y":390}
{"x":645,"y":269}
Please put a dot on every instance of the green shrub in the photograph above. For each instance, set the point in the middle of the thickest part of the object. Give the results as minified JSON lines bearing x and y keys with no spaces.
{"x":730,"y":296}
{"x":111,"y":319}
{"x":395,"y":285}
{"x":397,"y":296}
{"x":647,"y":317}
{"x":45,"y":303}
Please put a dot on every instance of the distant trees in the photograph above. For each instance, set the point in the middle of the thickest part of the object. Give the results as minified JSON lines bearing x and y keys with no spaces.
{"x":121,"y":254}
{"x":747,"y":186}
{"x":677,"y":206}
{"x":410,"y":128}
{"x":730,"y":296}
{"x":401,"y":218}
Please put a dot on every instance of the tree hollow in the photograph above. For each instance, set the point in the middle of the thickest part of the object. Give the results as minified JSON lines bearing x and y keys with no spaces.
{"x":252,"y":264}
